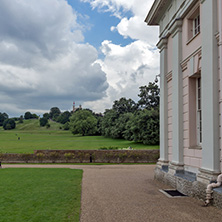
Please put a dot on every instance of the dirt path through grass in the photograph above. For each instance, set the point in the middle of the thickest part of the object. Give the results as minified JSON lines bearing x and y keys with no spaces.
{"x":128,"y":193}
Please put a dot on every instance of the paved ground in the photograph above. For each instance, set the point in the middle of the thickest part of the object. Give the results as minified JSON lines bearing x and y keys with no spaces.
{"x":128,"y":193}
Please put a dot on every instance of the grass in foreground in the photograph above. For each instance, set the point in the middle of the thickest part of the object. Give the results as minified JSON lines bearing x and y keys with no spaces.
{"x":40,"y":195}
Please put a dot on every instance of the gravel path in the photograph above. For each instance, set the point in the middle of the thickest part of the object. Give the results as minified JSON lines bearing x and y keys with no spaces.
{"x":128,"y":193}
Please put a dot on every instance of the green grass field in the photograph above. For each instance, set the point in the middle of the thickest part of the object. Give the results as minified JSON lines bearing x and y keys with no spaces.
{"x":32,"y":137}
{"x":46,"y":195}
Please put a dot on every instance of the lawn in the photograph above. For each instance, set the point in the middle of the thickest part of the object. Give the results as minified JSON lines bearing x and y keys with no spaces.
{"x":29,"y":137}
{"x":40,"y":195}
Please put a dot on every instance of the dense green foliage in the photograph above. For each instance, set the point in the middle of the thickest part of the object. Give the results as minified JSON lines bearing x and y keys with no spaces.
{"x":64,"y":117}
{"x":9,"y":124}
{"x":135,"y":122}
{"x":83,"y":122}
{"x":3,"y":117}
{"x":54,"y":113}
{"x":138,"y":122}
{"x":149,"y":96}
{"x":43,"y":121}
{"x":29,"y":115}
{"x":40,"y":195}
{"x":143,"y":127}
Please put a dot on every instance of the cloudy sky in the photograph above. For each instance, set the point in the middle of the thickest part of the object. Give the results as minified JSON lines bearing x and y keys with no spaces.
{"x":54,"y":52}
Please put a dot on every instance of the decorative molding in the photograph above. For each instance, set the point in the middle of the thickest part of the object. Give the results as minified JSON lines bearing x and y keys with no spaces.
{"x":218,"y":37}
{"x":162,"y":44}
{"x":195,"y":147}
{"x":169,"y":76}
{"x":176,"y":26}
{"x":190,"y":40}
{"x":196,"y":52}
{"x":184,"y":66}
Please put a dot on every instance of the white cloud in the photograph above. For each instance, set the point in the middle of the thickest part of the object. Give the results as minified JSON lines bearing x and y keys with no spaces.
{"x":133,"y":27}
{"x":42,"y":61}
{"x":131,"y":66}
{"x":127,"y":69}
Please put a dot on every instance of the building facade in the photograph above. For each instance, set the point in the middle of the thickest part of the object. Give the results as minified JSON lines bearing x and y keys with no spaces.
{"x":190,"y":44}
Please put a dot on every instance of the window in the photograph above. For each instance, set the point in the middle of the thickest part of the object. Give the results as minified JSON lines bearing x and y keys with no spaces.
{"x":195,"y":112}
{"x":199,"y":117}
{"x":196,"y":25}
{"x":193,"y":21}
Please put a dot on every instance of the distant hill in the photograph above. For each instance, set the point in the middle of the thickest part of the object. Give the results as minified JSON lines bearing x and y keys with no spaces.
{"x":33,"y":124}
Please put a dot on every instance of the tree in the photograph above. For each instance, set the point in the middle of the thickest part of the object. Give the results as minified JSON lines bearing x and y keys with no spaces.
{"x":9,"y":124}
{"x":54,"y":113}
{"x":21,"y":119}
{"x":46,"y":115}
{"x":64,"y":117}
{"x":34,"y":116}
{"x":28,"y":115}
{"x":83,"y":122}
{"x":118,"y":130}
{"x":124,"y":106}
{"x":66,"y":126}
{"x":99,"y":118}
{"x":3,"y":117}
{"x":108,"y":122}
{"x":149,"y":96}
{"x":143,"y":127}
{"x":43,"y":121}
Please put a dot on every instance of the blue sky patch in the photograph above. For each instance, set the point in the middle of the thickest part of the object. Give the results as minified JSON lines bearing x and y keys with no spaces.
{"x":97,"y":24}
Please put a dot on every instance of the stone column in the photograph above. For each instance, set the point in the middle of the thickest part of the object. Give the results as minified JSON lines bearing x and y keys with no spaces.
{"x":177,"y":98}
{"x":163,"y":160}
{"x":210,"y":94}
{"x":220,"y":64}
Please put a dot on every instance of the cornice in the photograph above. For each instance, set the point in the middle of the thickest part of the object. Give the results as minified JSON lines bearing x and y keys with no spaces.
{"x":162,"y":44}
{"x":156,"y":11}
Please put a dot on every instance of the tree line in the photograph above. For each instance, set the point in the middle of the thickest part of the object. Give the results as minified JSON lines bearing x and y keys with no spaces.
{"x":126,"y":119}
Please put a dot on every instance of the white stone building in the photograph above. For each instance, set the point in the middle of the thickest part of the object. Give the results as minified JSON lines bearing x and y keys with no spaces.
{"x":190,"y":43}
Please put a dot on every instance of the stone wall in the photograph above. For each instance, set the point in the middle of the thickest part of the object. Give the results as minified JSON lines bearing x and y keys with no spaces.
{"x":83,"y":156}
{"x":188,"y":186}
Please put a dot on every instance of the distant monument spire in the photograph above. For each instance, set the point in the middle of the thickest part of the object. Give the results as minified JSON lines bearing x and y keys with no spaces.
{"x":74,"y":107}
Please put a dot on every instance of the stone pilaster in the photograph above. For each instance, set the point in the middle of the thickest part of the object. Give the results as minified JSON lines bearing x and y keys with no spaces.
{"x":177,"y":97}
{"x":163,"y":160}
{"x":210,"y":94}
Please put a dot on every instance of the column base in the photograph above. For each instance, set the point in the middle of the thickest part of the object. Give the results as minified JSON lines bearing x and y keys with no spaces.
{"x":161,"y":163}
{"x":175,"y":168}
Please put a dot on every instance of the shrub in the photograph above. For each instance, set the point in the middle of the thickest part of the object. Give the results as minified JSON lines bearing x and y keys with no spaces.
{"x":69,"y":156}
{"x":66,"y":126}
{"x":9,"y":124}
{"x":43,"y":121}
{"x":26,"y":157}
{"x":40,"y":156}
{"x":54,"y":156}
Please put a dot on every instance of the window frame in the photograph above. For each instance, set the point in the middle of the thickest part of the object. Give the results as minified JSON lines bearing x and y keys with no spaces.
{"x":196,"y":25}
{"x":193,"y":23}
{"x":198,"y":111}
